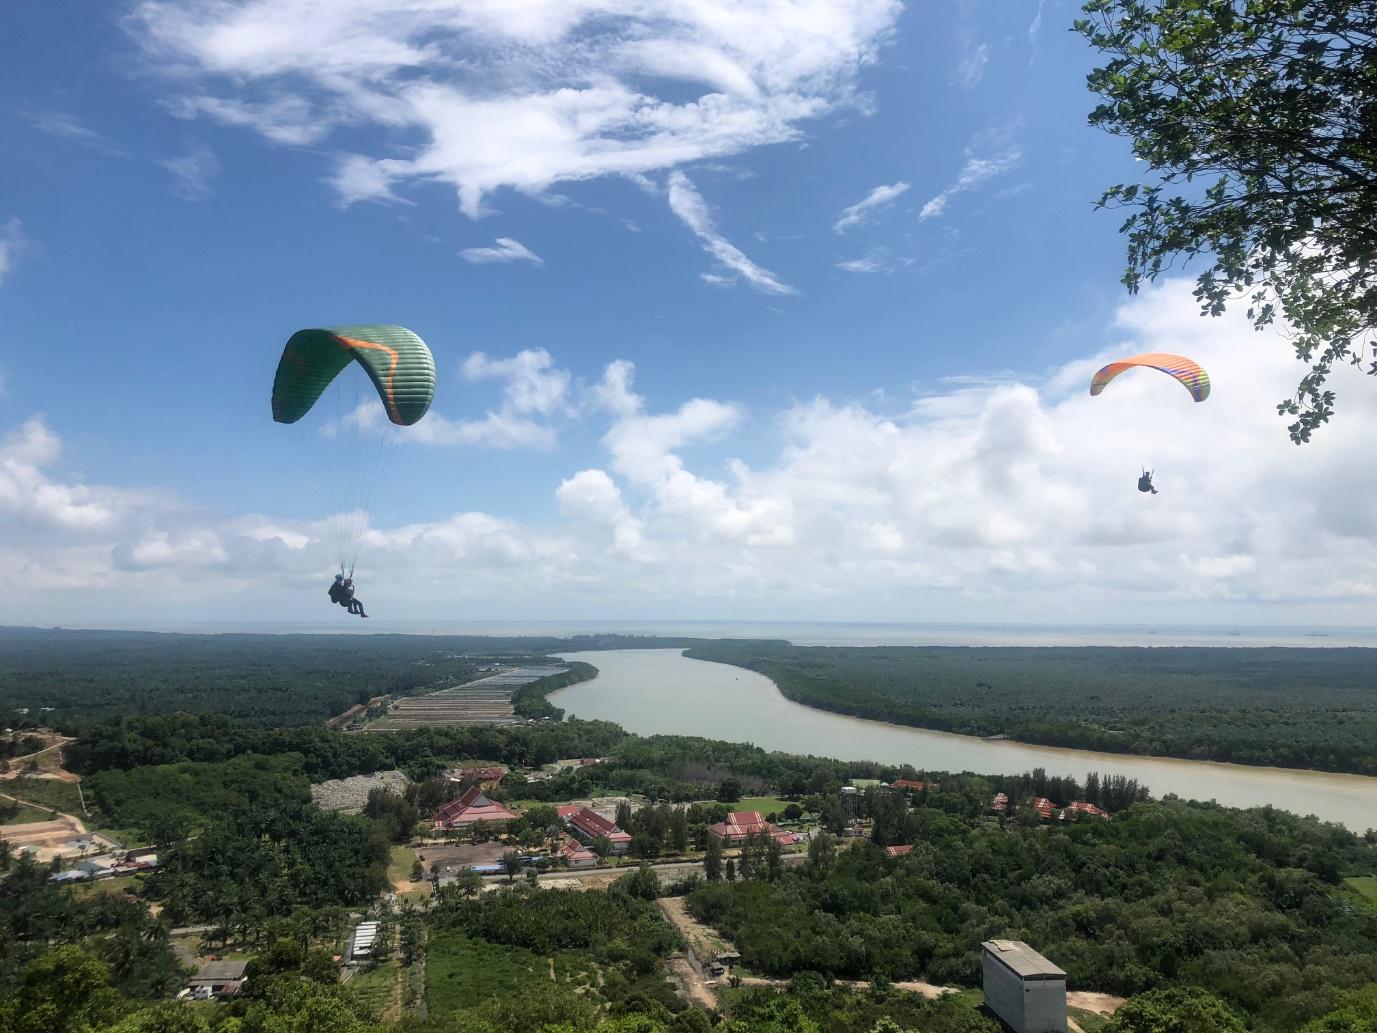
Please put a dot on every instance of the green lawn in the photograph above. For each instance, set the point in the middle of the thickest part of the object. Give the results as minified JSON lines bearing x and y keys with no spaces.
{"x":766,"y":805}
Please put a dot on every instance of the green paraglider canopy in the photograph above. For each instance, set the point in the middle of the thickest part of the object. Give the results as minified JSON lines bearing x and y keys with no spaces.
{"x":396,"y":360}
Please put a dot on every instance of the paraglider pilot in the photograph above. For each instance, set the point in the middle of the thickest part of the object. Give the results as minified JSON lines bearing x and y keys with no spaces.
{"x":342,"y":592}
{"x":1145,"y":482}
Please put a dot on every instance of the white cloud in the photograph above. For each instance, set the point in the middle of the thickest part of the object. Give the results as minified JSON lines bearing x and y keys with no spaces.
{"x":12,"y":244}
{"x":29,"y":494}
{"x":970,"y":66}
{"x":979,"y":168}
{"x":1035,"y":26}
{"x":192,"y":173}
{"x":286,"y":119}
{"x":877,"y":199}
{"x":505,"y":250}
{"x":991,"y":497}
{"x":877,"y":260}
{"x":613,"y":393}
{"x":534,"y":393}
{"x":490,"y":95}
{"x":591,"y":498}
{"x":69,"y":127}
{"x":688,"y":204}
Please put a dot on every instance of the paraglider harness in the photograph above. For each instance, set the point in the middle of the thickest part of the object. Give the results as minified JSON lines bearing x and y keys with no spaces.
{"x":1145,"y":482}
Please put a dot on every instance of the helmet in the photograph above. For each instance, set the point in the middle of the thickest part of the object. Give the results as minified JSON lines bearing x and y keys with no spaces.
{"x":339,"y":577}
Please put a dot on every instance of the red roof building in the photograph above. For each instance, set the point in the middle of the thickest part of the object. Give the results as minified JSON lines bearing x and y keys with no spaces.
{"x":566,"y":809}
{"x":588,"y":825}
{"x":1078,"y":807}
{"x":1000,"y":804}
{"x":908,"y":785}
{"x":898,"y":851}
{"x":1043,"y":806}
{"x":741,"y":825}
{"x":576,"y":855}
{"x":468,"y":809}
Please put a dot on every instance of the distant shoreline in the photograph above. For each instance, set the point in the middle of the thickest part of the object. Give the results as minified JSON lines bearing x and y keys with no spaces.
{"x":798,"y":633}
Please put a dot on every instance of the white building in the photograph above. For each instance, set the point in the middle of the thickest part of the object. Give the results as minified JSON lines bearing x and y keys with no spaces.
{"x":1023,"y":988}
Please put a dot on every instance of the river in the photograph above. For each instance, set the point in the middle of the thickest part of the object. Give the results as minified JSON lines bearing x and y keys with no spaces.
{"x":650,"y":691}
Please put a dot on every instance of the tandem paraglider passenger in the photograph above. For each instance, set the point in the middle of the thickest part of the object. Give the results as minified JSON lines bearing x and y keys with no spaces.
{"x":342,"y":592}
{"x":349,"y":599}
{"x":1145,"y":482}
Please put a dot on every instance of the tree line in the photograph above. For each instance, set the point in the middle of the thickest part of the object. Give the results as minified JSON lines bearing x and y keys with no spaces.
{"x":1305,"y":708}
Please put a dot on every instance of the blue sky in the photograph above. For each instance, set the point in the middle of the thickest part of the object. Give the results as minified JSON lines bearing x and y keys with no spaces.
{"x":751,"y":310}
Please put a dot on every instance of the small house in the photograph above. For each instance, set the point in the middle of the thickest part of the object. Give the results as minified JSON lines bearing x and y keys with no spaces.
{"x":222,"y":979}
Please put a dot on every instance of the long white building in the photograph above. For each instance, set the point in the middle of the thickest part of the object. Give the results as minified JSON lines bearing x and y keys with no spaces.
{"x":1023,"y":988}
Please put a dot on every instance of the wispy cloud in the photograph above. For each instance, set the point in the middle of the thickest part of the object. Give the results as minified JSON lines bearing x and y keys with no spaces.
{"x":877,"y":260}
{"x":192,"y":173}
{"x":688,"y":204}
{"x":505,"y":249}
{"x":970,"y":66}
{"x":1035,"y":26}
{"x":979,"y":168}
{"x":869,"y":205}
{"x":12,"y":244}
{"x":68,"y":127}
{"x":519,"y":96}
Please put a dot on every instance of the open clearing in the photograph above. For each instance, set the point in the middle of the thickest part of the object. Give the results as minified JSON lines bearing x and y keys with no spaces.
{"x":1363,"y":888}
{"x":59,"y":837}
{"x":704,"y":941}
{"x":766,"y":805}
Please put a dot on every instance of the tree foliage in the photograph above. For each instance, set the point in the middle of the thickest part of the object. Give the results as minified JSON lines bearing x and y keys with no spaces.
{"x":1255,"y":120}
{"x":1240,"y":903}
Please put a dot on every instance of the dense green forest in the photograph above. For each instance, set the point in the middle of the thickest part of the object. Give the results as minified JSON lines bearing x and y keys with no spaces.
{"x":1242,"y":903}
{"x":68,"y":676}
{"x":1305,"y":708}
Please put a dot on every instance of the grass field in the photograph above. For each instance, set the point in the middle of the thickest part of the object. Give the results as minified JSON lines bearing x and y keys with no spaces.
{"x":28,"y":814}
{"x":462,"y":972}
{"x":766,"y":805}
{"x":130,"y":839}
{"x":130,"y":884}
{"x":1362,"y":889}
{"x":47,"y":792}
{"x":399,"y":868}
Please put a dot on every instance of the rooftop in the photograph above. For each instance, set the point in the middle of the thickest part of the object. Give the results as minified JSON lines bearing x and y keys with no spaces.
{"x":220,"y":972}
{"x":1022,"y":959}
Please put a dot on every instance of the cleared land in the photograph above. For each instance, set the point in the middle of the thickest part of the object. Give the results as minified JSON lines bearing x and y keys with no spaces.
{"x":487,"y":701}
{"x":350,"y":794}
{"x":61,"y":837}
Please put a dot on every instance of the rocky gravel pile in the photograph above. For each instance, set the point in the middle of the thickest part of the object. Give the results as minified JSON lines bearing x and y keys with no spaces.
{"x":350,"y":794}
